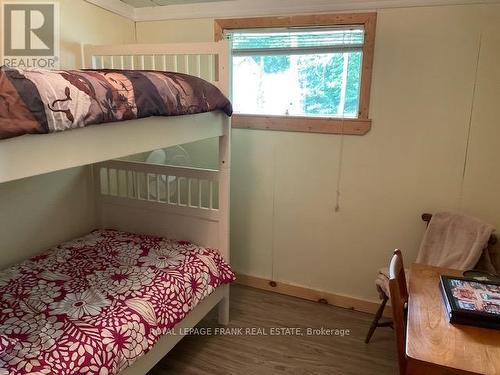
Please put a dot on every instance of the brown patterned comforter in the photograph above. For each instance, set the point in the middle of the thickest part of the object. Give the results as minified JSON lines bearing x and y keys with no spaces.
{"x":47,"y":101}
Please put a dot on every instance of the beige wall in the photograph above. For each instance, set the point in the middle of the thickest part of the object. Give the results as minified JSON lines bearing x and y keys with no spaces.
{"x":84,"y":23}
{"x":42,"y":211}
{"x":284,"y":225}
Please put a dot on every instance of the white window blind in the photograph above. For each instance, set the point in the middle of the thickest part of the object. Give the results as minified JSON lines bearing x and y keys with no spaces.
{"x":282,"y":41}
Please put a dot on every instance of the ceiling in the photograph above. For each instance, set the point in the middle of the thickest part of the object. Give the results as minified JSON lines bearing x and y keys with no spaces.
{"x":152,"y":10}
{"x":153,"y":3}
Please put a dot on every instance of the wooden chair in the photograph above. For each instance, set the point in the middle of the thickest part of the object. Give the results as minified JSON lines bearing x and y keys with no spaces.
{"x":399,"y":302}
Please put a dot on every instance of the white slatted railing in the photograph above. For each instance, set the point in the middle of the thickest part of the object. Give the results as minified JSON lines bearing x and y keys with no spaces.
{"x":198,"y":65}
{"x":205,"y":60}
{"x":168,"y":187}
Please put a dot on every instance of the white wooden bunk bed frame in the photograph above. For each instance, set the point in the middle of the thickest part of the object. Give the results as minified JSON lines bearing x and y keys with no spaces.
{"x":120,"y":202}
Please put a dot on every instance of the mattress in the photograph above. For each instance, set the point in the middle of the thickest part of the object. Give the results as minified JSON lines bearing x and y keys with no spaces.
{"x":96,"y":304}
{"x":46,"y":101}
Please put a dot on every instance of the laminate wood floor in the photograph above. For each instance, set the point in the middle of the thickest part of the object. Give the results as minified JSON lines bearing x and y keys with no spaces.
{"x":262,"y":355}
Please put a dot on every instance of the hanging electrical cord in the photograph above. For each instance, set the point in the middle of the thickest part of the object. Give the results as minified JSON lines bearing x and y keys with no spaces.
{"x":341,"y":146}
{"x":339,"y":166}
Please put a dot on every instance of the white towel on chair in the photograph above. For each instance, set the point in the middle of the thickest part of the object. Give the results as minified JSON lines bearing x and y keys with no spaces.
{"x":454,"y":241}
{"x":450,"y":241}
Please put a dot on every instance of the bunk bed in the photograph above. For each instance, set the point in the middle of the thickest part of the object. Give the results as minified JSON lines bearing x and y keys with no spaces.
{"x":138,"y":202}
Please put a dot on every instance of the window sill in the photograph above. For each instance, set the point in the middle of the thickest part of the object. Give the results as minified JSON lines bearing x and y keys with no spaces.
{"x":325,"y":125}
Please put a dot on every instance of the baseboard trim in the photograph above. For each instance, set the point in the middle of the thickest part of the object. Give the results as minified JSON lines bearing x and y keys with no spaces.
{"x":338,"y":300}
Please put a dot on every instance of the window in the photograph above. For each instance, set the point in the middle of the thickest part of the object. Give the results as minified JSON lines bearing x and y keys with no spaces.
{"x":301,"y":73}
{"x":310,"y":72}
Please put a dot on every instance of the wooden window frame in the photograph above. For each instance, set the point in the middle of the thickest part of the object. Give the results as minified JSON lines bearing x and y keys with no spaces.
{"x":358,"y":126}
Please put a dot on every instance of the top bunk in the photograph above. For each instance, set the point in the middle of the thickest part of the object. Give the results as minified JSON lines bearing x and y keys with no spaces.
{"x":35,"y":154}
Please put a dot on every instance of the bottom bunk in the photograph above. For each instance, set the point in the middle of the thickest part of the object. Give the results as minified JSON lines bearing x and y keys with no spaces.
{"x":99,"y":303}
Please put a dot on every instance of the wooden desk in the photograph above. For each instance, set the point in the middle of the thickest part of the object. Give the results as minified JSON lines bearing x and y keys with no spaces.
{"x":433,"y":345}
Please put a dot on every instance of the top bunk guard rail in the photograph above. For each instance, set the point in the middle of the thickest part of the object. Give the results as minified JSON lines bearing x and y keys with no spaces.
{"x":204,"y":60}
{"x":36,"y":154}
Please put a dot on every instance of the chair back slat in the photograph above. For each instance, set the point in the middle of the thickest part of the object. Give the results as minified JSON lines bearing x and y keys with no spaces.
{"x":399,"y":302}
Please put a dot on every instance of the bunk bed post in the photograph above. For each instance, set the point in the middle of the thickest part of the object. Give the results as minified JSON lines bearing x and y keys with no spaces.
{"x":224,"y":80}
{"x":224,"y":210}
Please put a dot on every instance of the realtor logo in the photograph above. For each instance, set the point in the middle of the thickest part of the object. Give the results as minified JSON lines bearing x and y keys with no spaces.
{"x":30,"y":34}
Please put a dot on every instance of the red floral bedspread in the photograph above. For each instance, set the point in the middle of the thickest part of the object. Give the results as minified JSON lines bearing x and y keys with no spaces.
{"x":96,"y":304}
